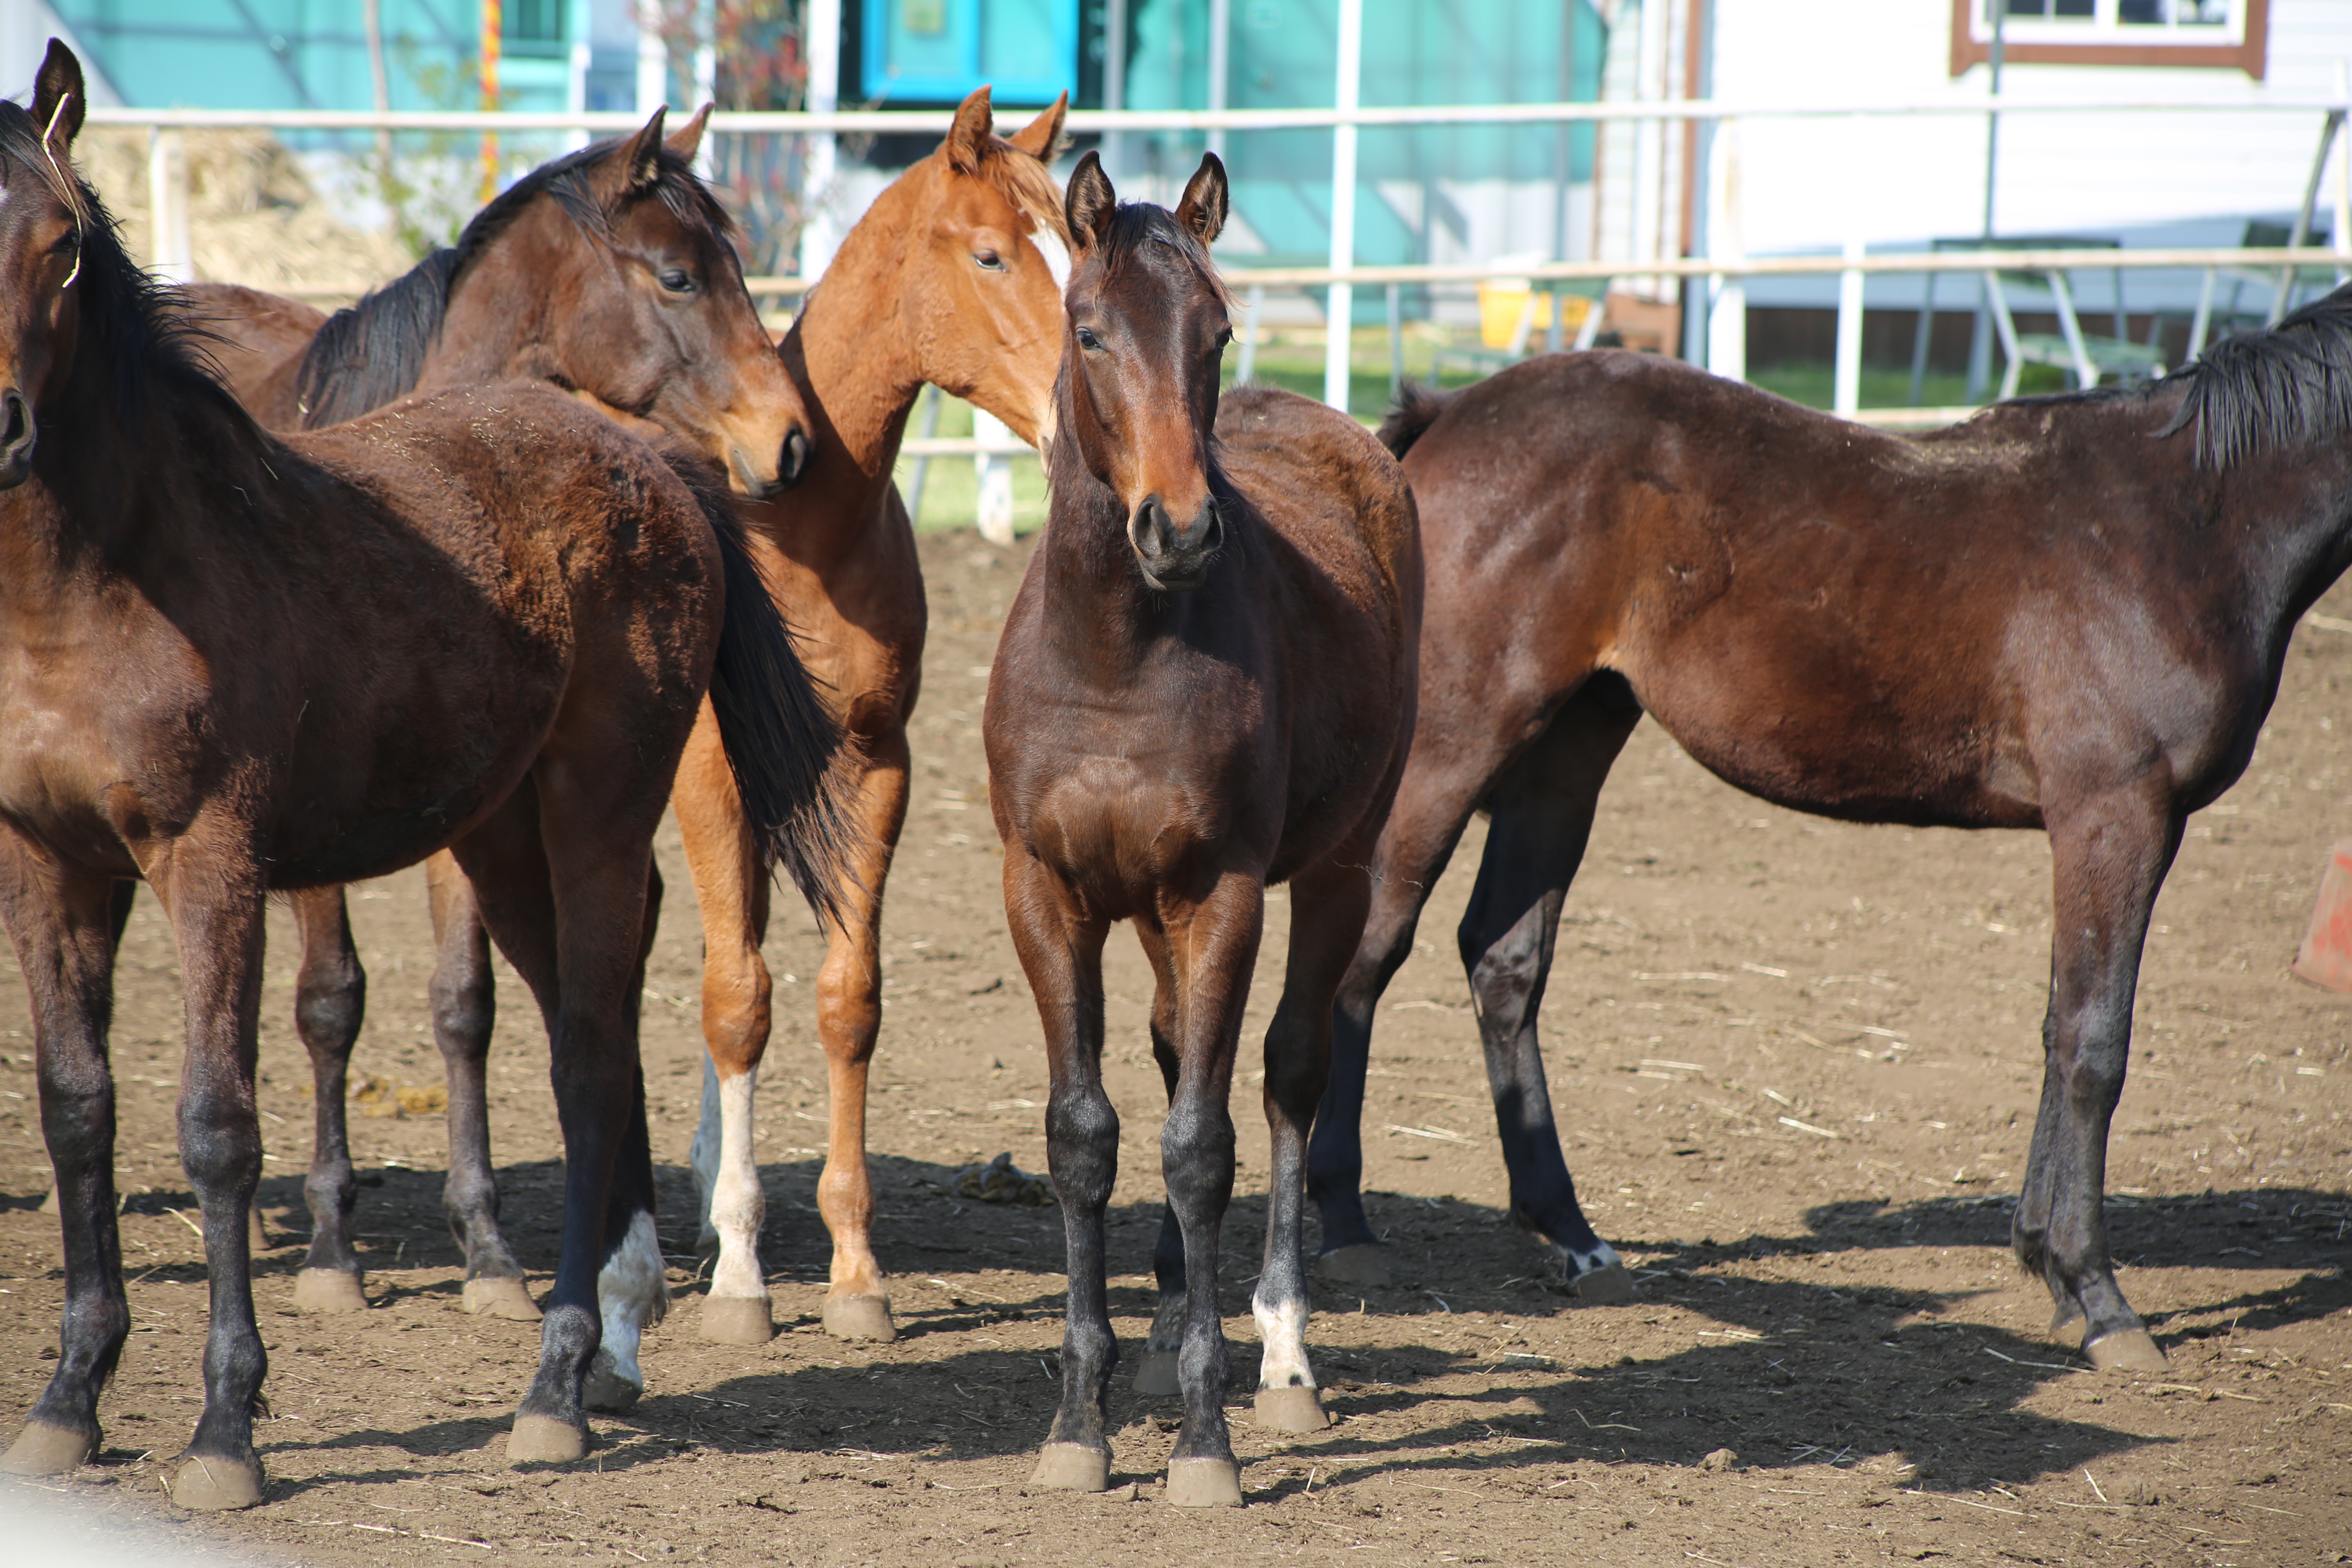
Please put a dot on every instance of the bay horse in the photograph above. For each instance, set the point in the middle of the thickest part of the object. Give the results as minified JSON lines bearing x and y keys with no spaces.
{"x":236,"y":664}
{"x":2068,"y":612}
{"x":954,"y":276}
{"x":610,"y":272}
{"x":1205,"y":685}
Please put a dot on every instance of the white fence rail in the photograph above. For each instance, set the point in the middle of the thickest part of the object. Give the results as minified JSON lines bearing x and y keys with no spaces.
{"x":168,"y":176}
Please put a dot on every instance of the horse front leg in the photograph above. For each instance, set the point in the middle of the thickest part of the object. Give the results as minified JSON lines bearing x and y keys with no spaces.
{"x":214,"y":897}
{"x":330,"y":1001}
{"x":464,"y":996}
{"x":1215,"y":948}
{"x":1156,"y":1375}
{"x":1060,"y":950}
{"x":732,"y":887}
{"x":633,"y":1284}
{"x":1327,"y":902}
{"x":60,"y":923}
{"x":848,"y":1021}
{"x":2110,"y":853}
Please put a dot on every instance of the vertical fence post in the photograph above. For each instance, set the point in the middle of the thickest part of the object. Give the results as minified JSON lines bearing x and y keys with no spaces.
{"x":995,"y":475}
{"x":1221,"y":38}
{"x":1396,"y":338}
{"x":1846,"y":397}
{"x":1727,"y":320}
{"x":171,"y":253}
{"x":1248,"y":365}
{"x":822,"y":36}
{"x":1340,"y":316}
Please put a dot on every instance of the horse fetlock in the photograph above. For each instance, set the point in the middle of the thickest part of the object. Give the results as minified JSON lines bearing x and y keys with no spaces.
{"x":1282,"y":1330}
{"x":614,"y":1381}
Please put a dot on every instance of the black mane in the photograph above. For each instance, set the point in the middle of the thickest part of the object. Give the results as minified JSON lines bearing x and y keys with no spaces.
{"x":140,"y":324}
{"x":370,"y":353}
{"x":2264,"y":391}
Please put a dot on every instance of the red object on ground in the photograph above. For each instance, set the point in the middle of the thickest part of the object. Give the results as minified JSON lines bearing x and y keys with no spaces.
{"x":2325,"y":956}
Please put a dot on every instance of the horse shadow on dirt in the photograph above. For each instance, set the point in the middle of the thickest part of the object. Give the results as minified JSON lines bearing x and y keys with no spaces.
{"x":1793,"y":1373}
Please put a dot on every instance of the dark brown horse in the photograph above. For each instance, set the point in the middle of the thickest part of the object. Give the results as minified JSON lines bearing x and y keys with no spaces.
{"x":609,"y":272}
{"x":234,"y":664}
{"x":2066,"y":614}
{"x":1205,"y":685}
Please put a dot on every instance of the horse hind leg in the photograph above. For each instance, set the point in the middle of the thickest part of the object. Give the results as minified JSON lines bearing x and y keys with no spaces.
{"x":330,"y":1001}
{"x":67,"y":953}
{"x":1328,"y":905}
{"x":2110,"y":854}
{"x":1542,"y":807}
{"x":632,"y":1286}
{"x":465,"y":1007}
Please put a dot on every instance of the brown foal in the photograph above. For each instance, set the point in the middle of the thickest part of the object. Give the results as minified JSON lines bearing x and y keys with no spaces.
{"x":954,"y":276}
{"x":237,"y":665}
{"x":1205,"y":686}
{"x":2066,"y":614}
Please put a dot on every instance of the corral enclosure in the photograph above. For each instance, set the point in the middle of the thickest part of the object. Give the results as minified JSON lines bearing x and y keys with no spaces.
{"x":1796,"y":1063}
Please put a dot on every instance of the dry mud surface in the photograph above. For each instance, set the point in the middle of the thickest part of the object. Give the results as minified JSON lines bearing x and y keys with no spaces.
{"x":1796,"y":1064}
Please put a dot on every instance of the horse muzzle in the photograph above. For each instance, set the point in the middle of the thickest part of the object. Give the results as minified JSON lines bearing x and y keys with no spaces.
{"x":792,"y":462}
{"x":18,"y":434}
{"x":1175,"y":559}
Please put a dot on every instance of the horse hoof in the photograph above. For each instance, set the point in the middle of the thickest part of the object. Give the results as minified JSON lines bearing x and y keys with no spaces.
{"x":738,"y":1319}
{"x":1205,"y":1483}
{"x":1072,"y":1468}
{"x":544,"y":1440}
{"x":2125,"y":1349}
{"x":1155,"y":1377}
{"x":208,"y":1484}
{"x":605,"y":1389}
{"x":328,"y":1290}
{"x":859,"y":1318}
{"x":500,"y":1296}
{"x":1294,"y":1409}
{"x":46,"y":1450}
{"x":1610,"y":1287}
{"x":1366,"y":1263}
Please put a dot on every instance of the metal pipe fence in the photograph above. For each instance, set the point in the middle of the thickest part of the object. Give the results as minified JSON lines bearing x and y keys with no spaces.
{"x":168,"y":176}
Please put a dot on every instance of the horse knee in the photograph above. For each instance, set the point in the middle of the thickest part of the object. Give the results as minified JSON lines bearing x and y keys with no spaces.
{"x":464,"y":1005}
{"x":1082,"y":1141}
{"x":329,"y":1005}
{"x":848,"y":1010}
{"x":738,"y":1002}
{"x":1196,"y":1149}
{"x":220,"y":1144}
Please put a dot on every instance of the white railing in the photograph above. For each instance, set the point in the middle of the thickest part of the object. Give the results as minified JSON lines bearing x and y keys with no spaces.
{"x":168,"y":175}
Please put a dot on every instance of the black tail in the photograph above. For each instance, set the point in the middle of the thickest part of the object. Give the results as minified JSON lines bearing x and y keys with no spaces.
{"x":1417,"y":408}
{"x":783,"y":745}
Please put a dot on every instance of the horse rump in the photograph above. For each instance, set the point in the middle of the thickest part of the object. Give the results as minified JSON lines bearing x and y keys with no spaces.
{"x":1417,"y":408}
{"x":787,"y":751}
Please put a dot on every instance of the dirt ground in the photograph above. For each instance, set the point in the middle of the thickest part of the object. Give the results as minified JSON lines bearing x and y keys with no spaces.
{"x":1796,"y":1063}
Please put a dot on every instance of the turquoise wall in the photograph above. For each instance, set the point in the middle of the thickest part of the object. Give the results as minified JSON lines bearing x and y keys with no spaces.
{"x":313,"y":54}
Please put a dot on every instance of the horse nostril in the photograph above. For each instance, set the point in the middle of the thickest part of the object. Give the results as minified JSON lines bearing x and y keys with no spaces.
{"x":1213,"y":535}
{"x":18,"y":418}
{"x":793,"y":462}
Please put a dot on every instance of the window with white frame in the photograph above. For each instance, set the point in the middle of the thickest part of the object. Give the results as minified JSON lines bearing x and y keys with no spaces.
{"x":2114,"y":32}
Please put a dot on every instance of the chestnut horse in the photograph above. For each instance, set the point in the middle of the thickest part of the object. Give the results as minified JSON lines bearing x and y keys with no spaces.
{"x":2068,"y":614}
{"x":610,"y":272}
{"x":484,"y":621}
{"x":954,"y":276}
{"x":1205,"y":686}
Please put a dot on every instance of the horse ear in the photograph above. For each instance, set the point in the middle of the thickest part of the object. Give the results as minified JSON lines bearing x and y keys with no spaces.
{"x":967,"y":141}
{"x":640,"y":157}
{"x":686,"y":140}
{"x":1202,"y":210}
{"x":59,"y":98}
{"x":1089,"y":204}
{"x":1041,"y":137}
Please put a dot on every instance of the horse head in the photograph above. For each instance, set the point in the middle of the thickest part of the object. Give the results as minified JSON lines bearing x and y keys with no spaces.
{"x":44,"y":215}
{"x":1147,"y":325}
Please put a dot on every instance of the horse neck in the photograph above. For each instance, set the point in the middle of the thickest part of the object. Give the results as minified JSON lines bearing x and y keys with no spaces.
{"x":498,"y":321}
{"x":852,"y":351}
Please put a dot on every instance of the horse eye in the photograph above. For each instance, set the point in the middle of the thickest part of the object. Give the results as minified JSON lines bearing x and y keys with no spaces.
{"x":1225,"y":336}
{"x":988,"y":260}
{"x":1087,"y":340}
{"x":676,"y":282}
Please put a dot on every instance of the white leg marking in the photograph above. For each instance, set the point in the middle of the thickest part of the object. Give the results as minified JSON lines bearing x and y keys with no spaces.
{"x":630,"y":1294}
{"x":738,"y":1206}
{"x":1282,"y":1328}
{"x":703,"y":1157}
{"x":1580,"y":1264}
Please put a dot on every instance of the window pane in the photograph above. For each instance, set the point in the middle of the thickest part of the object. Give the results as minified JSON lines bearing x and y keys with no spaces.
{"x":2080,"y":8}
{"x":2201,"y":13}
{"x":2144,"y":13}
{"x":2018,"y":8}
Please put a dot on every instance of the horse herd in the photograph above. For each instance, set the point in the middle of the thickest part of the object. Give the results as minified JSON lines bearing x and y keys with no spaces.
{"x":548,"y":532}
